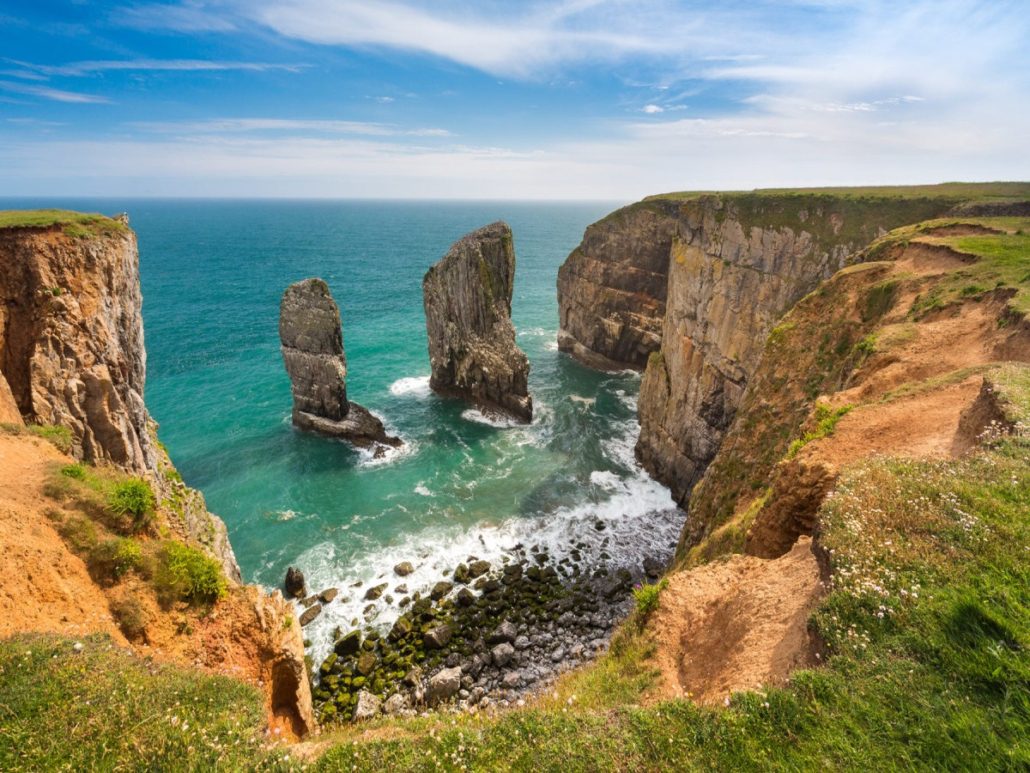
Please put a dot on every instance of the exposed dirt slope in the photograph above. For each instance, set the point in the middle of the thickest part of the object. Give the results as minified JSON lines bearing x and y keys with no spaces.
{"x":46,"y":587}
{"x":735,"y":625}
{"x":49,"y":588}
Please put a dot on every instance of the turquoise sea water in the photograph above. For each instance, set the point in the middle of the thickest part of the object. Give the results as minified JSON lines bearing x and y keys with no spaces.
{"x":212,"y":275}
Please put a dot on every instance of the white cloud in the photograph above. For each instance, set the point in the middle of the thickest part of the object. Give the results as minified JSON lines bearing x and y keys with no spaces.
{"x":188,"y":17}
{"x":169,"y":65}
{"x":239,"y":125}
{"x":652,"y":109}
{"x":54,"y":95}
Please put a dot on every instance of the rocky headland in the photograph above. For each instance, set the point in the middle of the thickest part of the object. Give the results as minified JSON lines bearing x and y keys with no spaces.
{"x":472,"y":349}
{"x":93,"y":527}
{"x":311,"y":338}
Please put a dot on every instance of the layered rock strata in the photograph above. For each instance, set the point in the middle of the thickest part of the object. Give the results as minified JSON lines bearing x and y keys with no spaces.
{"x":312,"y":347}
{"x":472,"y":351}
{"x":737,"y":263}
{"x":612,"y":287}
{"x":71,"y":337}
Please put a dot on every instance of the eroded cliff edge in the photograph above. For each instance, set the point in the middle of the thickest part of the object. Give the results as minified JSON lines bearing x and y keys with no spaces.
{"x":72,"y":354}
{"x":688,"y":286}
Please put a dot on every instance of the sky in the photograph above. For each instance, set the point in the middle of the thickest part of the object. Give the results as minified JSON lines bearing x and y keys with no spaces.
{"x":557,"y":99}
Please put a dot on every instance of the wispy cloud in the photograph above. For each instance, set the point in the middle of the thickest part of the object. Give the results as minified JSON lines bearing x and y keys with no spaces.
{"x":158,"y":65}
{"x":187,"y":17}
{"x":245,"y":125}
{"x":55,"y":95}
{"x":652,"y":109}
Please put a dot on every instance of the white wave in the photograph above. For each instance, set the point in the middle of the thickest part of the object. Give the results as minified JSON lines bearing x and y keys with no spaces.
{"x":583,"y":400}
{"x":637,"y":518}
{"x":551,"y":346}
{"x":500,"y":422}
{"x":606,"y":479}
{"x":284,"y":515}
{"x":389,"y":454}
{"x":422,"y":491}
{"x":418,"y":386}
{"x":535,"y":331}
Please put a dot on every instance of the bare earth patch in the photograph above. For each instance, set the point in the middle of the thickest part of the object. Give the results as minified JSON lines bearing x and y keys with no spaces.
{"x":735,"y":625}
{"x":47,"y":588}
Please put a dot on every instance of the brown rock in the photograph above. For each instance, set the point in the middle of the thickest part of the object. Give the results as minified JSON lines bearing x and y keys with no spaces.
{"x":472,"y":350}
{"x":312,"y":348}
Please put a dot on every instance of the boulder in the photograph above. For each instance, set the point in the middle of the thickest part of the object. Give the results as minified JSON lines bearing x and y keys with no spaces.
{"x":403,"y":569}
{"x":368,"y":706}
{"x":472,"y":350}
{"x":348,"y":645}
{"x":294,"y":583}
{"x":443,"y":685}
{"x":505,"y":632}
{"x":436,"y":638}
{"x":395,"y":704}
{"x":478,"y":568}
{"x":310,"y":614}
{"x":328,"y":595}
{"x":440,"y":590}
{"x":502,"y":654}
{"x":311,"y":341}
{"x":375,"y":592}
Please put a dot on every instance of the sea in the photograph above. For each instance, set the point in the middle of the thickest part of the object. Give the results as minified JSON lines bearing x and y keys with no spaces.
{"x":213,"y":272}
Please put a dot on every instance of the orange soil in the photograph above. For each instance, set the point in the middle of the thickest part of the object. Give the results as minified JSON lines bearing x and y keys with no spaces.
{"x":735,"y":625}
{"x":47,"y":588}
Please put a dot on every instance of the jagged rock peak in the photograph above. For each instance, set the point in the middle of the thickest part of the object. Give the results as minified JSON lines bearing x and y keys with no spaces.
{"x":311,"y":339}
{"x":472,"y":350}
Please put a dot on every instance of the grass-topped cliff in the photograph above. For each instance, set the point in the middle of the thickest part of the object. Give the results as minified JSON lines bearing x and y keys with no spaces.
{"x":76,"y":224}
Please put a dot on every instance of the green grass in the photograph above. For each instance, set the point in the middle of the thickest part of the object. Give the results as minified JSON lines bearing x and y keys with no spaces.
{"x":134,"y":499}
{"x":826,"y":419}
{"x":75,"y":224}
{"x":104,"y":709}
{"x":956,"y":191}
{"x":185,"y":573}
{"x":59,"y":437}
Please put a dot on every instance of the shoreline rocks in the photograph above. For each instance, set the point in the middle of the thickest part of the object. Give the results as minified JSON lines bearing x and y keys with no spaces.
{"x":486,"y":642}
{"x":311,"y":339}
{"x":472,"y":350}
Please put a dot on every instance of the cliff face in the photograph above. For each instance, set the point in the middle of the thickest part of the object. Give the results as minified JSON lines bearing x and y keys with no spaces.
{"x":906,"y":353}
{"x":312,"y":347}
{"x":612,"y":287}
{"x":472,"y":350}
{"x":71,"y":351}
{"x":690,"y":287}
{"x":71,"y":337}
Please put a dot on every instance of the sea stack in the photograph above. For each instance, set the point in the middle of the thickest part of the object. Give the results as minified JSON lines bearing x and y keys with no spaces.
{"x":312,"y":347}
{"x":472,"y":351}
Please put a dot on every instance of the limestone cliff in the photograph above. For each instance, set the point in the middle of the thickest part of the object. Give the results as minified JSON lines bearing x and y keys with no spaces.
{"x":71,"y":351}
{"x":907,"y":353}
{"x":311,"y":339}
{"x":690,"y":286}
{"x":71,"y":336}
{"x":612,"y":287}
{"x":737,"y":263}
{"x":472,"y":350}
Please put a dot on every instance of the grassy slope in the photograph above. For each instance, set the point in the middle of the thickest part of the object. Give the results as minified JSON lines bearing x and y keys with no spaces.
{"x":104,"y":709}
{"x":77,"y":224}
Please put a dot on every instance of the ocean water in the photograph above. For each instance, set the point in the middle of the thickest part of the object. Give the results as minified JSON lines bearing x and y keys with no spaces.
{"x":212,"y":275}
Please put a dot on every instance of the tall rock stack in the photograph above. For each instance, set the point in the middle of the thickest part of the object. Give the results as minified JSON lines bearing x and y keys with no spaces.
{"x":312,"y":349}
{"x":472,"y":350}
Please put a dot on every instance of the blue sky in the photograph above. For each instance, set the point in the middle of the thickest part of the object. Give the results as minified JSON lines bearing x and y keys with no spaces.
{"x":577,"y":99}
